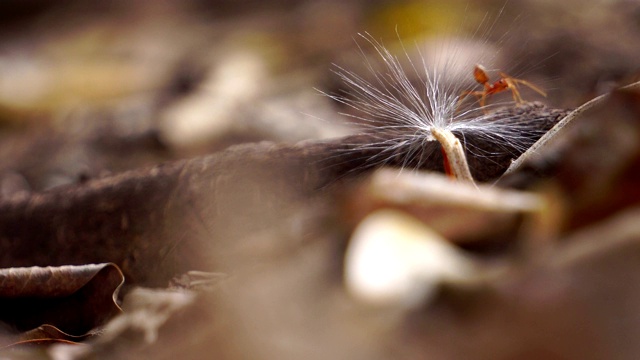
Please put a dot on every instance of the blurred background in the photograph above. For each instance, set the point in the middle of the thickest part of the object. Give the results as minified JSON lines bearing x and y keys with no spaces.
{"x":92,"y":88}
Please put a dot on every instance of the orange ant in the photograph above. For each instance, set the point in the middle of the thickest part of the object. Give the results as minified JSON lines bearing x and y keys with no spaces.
{"x":505,"y":82}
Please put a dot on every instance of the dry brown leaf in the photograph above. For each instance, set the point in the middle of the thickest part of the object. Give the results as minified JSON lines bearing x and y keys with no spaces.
{"x":74,"y":299}
{"x":154,"y":223}
{"x":487,"y":212}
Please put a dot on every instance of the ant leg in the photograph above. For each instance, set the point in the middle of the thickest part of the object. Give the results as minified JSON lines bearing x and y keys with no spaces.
{"x":512,"y":83}
{"x":531,"y":86}
{"x":483,"y":100}
{"x":478,"y":94}
{"x":464,"y":94}
{"x":516,"y":94}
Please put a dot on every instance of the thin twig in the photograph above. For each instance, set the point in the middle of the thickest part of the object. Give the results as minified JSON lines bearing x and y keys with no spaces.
{"x":552,"y":135}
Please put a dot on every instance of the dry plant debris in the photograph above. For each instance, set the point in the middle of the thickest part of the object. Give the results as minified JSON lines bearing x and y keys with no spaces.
{"x":352,"y":247}
{"x":58,"y":303}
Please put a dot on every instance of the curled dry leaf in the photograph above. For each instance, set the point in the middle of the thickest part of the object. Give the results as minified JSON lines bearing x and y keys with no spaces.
{"x":443,"y":204}
{"x":74,"y":299}
{"x":42,"y":335}
{"x":393,"y":258}
{"x":48,"y":332}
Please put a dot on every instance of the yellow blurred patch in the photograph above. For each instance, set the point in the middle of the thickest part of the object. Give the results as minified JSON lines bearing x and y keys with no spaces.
{"x":415,"y":19}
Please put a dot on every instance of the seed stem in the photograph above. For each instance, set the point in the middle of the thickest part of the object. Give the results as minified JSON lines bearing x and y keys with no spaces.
{"x":455,"y":159}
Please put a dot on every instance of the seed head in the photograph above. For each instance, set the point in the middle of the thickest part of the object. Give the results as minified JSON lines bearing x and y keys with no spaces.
{"x":405,"y":100}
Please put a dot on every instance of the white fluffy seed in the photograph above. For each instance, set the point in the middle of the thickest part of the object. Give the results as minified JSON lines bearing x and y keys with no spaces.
{"x":407,"y":96}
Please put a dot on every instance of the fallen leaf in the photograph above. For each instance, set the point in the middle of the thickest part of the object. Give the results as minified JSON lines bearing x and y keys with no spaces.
{"x":74,"y":299}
